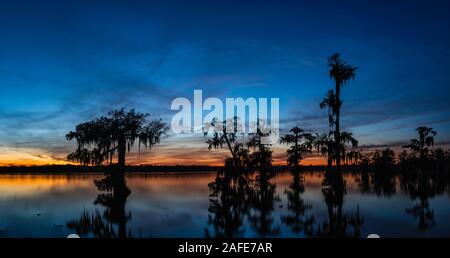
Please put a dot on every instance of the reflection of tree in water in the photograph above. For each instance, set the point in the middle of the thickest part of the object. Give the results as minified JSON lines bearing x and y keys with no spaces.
{"x":228,"y":204}
{"x":382,"y":182}
{"x":263,"y":199}
{"x":422,"y":185}
{"x":424,"y":213}
{"x":339,"y":223}
{"x":233,"y":199}
{"x":298,"y":220}
{"x":112,"y":223}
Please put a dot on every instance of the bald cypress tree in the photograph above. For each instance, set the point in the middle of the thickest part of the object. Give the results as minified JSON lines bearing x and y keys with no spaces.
{"x":100,"y":139}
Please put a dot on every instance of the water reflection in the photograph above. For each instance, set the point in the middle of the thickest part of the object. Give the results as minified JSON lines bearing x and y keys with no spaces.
{"x":263,"y":198}
{"x":113,"y":221}
{"x":299,"y":219}
{"x":229,"y":203}
{"x":340,"y":223}
{"x":419,"y":184}
{"x":289,"y":204}
{"x":381,"y":182}
{"x":422,"y":186}
{"x":235,"y":200}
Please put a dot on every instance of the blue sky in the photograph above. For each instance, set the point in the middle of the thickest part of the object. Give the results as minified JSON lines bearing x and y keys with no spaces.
{"x":64,"y":62}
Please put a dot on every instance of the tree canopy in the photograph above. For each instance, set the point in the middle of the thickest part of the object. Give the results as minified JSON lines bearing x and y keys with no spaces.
{"x":98,"y":140}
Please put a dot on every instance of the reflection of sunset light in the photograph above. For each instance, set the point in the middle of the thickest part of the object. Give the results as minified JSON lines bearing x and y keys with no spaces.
{"x":24,"y":185}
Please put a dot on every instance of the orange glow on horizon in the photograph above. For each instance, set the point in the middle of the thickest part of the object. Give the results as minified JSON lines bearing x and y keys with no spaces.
{"x":156,"y":162}
{"x":163,"y":157}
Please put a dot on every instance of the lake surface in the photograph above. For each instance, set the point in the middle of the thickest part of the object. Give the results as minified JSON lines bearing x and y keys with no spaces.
{"x":188,"y":205}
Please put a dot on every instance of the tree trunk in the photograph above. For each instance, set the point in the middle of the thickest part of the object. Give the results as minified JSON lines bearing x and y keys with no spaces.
{"x":122,"y":151}
{"x":119,"y":175}
{"x":235,"y":161}
{"x":337,"y":133}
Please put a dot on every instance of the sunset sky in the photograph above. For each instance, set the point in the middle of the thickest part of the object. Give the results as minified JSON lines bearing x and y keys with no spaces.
{"x":65,"y":62}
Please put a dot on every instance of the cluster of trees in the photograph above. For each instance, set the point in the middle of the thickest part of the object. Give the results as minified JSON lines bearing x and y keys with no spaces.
{"x":248,"y":156}
{"x":333,"y":144}
{"x":337,"y":146}
{"x":236,"y":195}
{"x":100,"y":139}
{"x":418,"y":154}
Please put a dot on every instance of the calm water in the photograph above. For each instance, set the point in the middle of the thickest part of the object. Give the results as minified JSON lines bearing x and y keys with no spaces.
{"x":185,"y":205}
